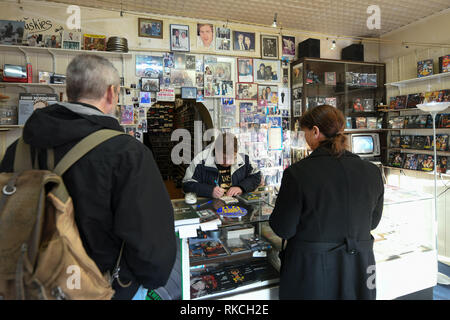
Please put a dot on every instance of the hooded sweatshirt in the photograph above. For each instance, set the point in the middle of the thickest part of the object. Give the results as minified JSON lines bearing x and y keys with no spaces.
{"x":117,"y":192}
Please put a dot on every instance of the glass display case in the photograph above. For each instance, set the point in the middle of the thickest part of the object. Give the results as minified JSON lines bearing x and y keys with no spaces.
{"x":405,"y":244}
{"x":355,"y":88}
{"x":230,"y":259}
{"x":219,"y":262}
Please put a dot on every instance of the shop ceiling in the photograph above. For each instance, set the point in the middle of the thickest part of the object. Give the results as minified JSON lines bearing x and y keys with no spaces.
{"x":333,"y":17}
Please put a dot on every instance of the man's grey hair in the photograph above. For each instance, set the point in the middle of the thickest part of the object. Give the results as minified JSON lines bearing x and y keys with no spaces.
{"x":89,"y":76}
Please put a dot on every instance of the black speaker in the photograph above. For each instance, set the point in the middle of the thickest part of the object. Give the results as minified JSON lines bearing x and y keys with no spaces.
{"x":354,"y":52}
{"x":309,"y":48}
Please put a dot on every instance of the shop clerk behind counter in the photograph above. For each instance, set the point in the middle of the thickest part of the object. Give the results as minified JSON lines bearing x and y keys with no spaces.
{"x":220,"y":170}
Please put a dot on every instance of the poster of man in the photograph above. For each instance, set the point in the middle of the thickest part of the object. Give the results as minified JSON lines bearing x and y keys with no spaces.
{"x":205,"y":36}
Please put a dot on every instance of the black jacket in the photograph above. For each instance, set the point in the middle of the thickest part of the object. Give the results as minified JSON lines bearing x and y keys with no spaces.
{"x":202,"y":172}
{"x":117,"y":191}
{"x":326,"y":208}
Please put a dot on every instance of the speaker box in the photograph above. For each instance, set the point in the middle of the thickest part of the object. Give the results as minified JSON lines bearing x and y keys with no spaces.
{"x":354,"y":52}
{"x":310,"y":48}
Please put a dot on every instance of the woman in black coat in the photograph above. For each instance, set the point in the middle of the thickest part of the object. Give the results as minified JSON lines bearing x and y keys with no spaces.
{"x":327,"y":205}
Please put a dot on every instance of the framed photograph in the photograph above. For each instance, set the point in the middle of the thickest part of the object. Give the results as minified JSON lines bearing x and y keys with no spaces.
{"x":145,"y":99}
{"x":54,"y":41}
{"x":288,"y":47}
{"x":246,"y":91}
{"x":243,"y":41}
{"x":150,"y":84}
{"x":179,"y":61}
{"x":188,"y":93}
{"x":223,"y":39}
{"x":179,"y":37}
{"x":267,"y":71}
{"x":71,"y":40}
{"x":205,"y":36}
{"x":149,"y":67}
{"x":11,"y":32}
{"x":182,"y":78}
{"x":297,"y":106}
{"x":269,"y":46}
{"x":200,"y":95}
{"x":245,"y":70}
{"x":297,"y":76}
{"x":150,"y":28}
{"x":267,"y":95}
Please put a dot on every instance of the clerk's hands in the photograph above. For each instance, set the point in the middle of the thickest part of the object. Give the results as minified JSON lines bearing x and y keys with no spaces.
{"x":234,"y":191}
{"x":218,"y":192}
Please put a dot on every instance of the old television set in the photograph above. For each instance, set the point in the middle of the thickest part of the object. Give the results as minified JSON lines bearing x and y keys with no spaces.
{"x":365,"y":145}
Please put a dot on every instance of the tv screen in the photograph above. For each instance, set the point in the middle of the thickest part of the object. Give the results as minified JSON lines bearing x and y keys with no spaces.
{"x":362,"y":145}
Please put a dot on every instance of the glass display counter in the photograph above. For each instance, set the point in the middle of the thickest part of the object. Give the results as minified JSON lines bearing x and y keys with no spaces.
{"x":405,"y":244}
{"x":239,"y":259}
{"x":230,"y":261}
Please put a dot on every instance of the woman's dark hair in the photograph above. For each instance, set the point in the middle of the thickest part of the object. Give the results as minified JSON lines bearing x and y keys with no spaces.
{"x":331,"y":123}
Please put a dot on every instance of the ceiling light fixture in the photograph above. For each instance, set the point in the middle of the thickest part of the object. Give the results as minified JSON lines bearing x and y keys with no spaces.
{"x":274,"y":23}
{"x":333,"y":45}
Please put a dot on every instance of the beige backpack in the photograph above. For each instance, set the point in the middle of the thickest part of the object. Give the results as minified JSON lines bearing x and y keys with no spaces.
{"x":41,"y":253}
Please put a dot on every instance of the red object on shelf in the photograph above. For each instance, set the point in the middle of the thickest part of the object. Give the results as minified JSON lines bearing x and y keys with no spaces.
{"x":29,"y":73}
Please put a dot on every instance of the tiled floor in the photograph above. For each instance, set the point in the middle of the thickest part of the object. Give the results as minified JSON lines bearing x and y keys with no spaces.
{"x":442,"y":292}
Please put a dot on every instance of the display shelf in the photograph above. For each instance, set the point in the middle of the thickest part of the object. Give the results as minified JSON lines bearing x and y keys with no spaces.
{"x":424,"y":129}
{"x":425,"y":172}
{"x":363,"y":130}
{"x":8,"y":127}
{"x":404,"y":83}
{"x":25,"y":84}
{"x":27,"y":49}
{"x":256,"y":285}
{"x":428,"y":152}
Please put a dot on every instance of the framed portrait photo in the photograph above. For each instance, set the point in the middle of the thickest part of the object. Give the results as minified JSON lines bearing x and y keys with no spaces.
{"x":150,"y":28}
{"x":150,"y":84}
{"x":179,"y":37}
{"x":243,"y":41}
{"x":245,"y":70}
{"x":223,"y":39}
{"x":246,"y":91}
{"x":267,"y":71}
{"x":288,"y":47}
{"x":269,"y":46}
{"x":205,"y":36}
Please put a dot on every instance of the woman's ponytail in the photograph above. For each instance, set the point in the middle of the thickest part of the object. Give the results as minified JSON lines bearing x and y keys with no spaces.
{"x":331,"y":123}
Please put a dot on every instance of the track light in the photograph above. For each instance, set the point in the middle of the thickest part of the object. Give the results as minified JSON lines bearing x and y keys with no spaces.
{"x":274,"y":23}
{"x":333,"y":45}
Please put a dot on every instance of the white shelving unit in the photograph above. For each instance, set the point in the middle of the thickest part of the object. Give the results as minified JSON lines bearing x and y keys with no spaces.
{"x":434,"y":77}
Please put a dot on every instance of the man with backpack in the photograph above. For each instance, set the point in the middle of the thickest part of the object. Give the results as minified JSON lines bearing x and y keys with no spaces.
{"x":121,"y":207}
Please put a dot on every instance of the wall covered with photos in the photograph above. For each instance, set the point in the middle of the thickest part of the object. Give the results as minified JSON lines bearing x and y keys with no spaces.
{"x":241,"y":70}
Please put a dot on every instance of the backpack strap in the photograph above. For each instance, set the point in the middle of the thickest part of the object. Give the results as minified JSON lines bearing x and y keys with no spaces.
{"x":83,"y":147}
{"x":22,"y":157}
